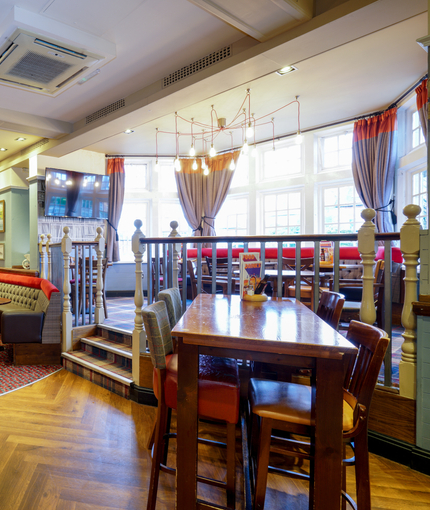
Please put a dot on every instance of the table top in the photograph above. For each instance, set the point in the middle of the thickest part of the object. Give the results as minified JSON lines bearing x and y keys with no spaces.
{"x":279,"y":325}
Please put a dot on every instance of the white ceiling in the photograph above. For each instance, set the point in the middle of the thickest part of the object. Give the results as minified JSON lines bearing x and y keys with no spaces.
{"x":350,"y":61}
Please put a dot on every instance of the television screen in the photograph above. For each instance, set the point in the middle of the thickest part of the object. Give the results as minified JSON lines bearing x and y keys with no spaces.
{"x":75,"y":194}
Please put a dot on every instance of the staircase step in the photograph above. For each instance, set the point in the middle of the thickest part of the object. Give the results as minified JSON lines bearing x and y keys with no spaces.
{"x":108,"y":345}
{"x":102,"y":366}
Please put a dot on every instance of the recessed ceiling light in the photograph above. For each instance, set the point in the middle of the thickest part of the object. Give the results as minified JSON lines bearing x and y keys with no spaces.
{"x":128,"y":131}
{"x":286,"y":70}
{"x":2,"y":149}
{"x":20,"y":139}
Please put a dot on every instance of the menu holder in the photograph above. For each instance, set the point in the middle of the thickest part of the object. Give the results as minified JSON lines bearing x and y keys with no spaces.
{"x":255,"y":297}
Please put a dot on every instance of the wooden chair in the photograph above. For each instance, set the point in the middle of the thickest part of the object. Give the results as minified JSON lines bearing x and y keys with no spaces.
{"x":330,"y":307}
{"x":221,"y":266}
{"x":306,"y":286}
{"x":287,"y":406}
{"x":206,"y":283}
{"x":218,"y":397}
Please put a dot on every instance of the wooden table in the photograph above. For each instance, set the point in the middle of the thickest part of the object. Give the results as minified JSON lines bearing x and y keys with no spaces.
{"x":281,"y":331}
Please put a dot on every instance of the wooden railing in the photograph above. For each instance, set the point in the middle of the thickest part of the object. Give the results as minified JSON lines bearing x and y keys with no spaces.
{"x":172,"y":250}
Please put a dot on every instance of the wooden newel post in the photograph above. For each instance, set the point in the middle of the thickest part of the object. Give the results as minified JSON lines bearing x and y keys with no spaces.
{"x":175,"y":251}
{"x":99,"y":314}
{"x":48,"y":252}
{"x":66,"y":248}
{"x":139,"y":336}
{"x":410,"y":247}
{"x":42,"y":256}
{"x":366,"y":247}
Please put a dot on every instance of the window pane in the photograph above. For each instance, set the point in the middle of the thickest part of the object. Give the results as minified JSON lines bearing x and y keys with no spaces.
{"x":330,"y":214}
{"x":330,"y":196}
{"x":295,"y":200}
{"x":269,"y":203}
{"x":330,"y":144}
{"x":171,"y":211}
{"x":136,"y":177}
{"x":346,"y":194}
{"x":330,"y":159}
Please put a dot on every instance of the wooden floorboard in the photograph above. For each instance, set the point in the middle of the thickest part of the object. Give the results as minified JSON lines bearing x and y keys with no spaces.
{"x":67,"y":444}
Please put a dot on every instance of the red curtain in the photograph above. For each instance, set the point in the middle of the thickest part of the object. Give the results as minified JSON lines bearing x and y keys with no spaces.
{"x":422,"y":99}
{"x":115,"y":170}
{"x":374,"y":154}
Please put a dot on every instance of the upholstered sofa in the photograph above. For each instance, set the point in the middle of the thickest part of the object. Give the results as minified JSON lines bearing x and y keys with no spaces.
{"x":31,"y":320}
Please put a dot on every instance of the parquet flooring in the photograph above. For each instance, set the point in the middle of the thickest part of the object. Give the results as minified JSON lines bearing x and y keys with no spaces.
{"x":67,"y":444}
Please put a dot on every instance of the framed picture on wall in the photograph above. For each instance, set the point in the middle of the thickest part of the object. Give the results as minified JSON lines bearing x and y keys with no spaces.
{"x":2,"y":217}
{"x":1,"y":251}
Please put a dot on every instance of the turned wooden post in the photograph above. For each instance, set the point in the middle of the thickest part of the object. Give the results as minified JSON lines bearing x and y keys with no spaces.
{"x":139,"y":336}
{"x":42,"y":256}
{"x":366,"y":247}
{"x":66,"y":248}
{"x":410,"y":247}
{"x":175,"y":252}
{"x":99,"y":314}
{"x":48,"y":252}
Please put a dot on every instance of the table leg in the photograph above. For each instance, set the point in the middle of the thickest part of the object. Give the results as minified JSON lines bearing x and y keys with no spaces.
{"x":328,"y":402}
{"x":187,"y":426}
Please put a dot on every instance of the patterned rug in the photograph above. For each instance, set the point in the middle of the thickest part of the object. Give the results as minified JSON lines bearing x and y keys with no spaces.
{"x":12,"y":378}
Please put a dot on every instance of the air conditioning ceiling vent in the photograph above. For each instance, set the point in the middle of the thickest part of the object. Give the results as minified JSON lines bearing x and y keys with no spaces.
{"x":42,"y":65}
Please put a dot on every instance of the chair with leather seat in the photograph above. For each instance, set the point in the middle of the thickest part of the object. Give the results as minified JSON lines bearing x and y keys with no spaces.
{"x":218,"y":397}
{"x":286,"y":406}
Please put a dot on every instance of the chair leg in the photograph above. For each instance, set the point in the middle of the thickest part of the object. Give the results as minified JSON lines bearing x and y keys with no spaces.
{"x":362,"y":475}
{"x":151,"y":439}
{"x":160,"y":429}
{"x":262,"y":463}
{"x":231,"y":465}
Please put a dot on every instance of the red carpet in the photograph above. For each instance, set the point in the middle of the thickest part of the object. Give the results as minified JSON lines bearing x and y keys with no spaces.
{"x":13,"y":378}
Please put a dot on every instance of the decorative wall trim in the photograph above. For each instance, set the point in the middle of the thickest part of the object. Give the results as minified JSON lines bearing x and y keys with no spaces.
{"x":143,"y":395}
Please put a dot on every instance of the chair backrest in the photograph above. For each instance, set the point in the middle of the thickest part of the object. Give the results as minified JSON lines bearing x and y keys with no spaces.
{"x":330,"y":307}
{"x":305,"y":263}
{"x":158,"y":333}
{"x":362,"y":372}
{"x":172,"y":298}
{"x":221,"y":266}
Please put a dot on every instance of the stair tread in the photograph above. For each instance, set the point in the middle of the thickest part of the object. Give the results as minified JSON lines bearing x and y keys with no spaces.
{"x":98,"y":364}
{"x":108,"y":345}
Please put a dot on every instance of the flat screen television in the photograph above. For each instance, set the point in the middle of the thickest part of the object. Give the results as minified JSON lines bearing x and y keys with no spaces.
{"x":76,"y":195}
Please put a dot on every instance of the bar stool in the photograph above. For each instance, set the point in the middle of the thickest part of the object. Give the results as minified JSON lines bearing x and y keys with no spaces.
{"x":285,"y":406}
{"x":218,"y":397}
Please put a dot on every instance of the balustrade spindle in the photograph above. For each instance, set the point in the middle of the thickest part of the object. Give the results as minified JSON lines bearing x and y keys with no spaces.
{"x":99,"y":314}
{"x":48,"y":252}
{"x":42,"y":256}
{"x":139,"y":336}
{"x":176,"y":247}
{"x":366,"y":247}
{"x":410,"y":247}
{"x":66,"y":248}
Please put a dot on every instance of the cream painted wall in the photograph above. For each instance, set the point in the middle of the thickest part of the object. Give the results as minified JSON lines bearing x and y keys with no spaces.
{"x":79,"y":161}
{"x":14,"y":177}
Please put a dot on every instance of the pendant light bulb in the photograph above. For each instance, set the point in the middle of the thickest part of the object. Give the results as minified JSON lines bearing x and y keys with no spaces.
{"x":157,"y":165}
{"x":206,"y":171}
{"x":299,"y":137}
{"x":194,"y":165}
{"x":177,"y":164}
{"x":203,"y":164}
{"x":232,"y":165}
{"x":212,"y":152}
{"x":249,"y":131}
{"x":192,"y":151}
{"x":245,"y":147}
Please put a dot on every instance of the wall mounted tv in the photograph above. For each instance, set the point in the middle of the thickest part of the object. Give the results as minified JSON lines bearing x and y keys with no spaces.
{"x":76,"y":195}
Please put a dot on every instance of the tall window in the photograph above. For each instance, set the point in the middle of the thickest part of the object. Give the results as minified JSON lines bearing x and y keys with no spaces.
{"x":336,"y":151}
{"x":282,"y":213}
{"x":171,"y":210}
{"x":419,"y":195}
{"x":341,"y":210}
{"x":417,"y":132}
{"x":284,"y":161}
{"x":232,"y":220}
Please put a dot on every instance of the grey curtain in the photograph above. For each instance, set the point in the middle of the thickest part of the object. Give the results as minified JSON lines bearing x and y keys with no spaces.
{"x":215,"y":189}
{"x":374,"y":154}
{"x":115,"y":170}
{"x":422,"y":99}
{"x":190,"y":191}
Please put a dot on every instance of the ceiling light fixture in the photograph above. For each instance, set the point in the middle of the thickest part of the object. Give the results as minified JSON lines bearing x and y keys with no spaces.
{"x":2,"y":149}
{"x":286,"y":70}
{"x":246,"y":122}
{"x":299,"y":137}
{"x":20,"y":139}
{"x":157,"y":164}
{"x":128,"y":131}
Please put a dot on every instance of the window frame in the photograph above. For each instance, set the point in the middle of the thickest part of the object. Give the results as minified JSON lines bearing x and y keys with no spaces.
{"x":278,"y":191}
{"x":264,"y":148}
{"x":319,"y":138}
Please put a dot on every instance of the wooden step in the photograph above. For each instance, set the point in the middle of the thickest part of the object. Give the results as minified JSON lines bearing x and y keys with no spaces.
{"x":104,"y":367}
{"x":109,"y":346}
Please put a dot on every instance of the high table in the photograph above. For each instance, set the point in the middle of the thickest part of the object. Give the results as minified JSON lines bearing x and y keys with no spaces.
{"x":281,"y":331}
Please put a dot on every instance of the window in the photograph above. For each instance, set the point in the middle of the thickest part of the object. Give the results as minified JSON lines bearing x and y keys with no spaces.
{"x":172,"y":211}
{"x":341,"y":210}
{"x":131,"y":211}
{"x":232,"y":219}
{"x":284,"y":161}
{"x":282,"y":213}
{"x":419,"y":195}
{"x":417,"y":132}
{"x":336,"y":151}
{"x":241,"y":174}
{"x":166,"y":176}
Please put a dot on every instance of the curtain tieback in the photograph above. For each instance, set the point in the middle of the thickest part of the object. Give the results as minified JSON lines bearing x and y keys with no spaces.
{"x":116,"y":231}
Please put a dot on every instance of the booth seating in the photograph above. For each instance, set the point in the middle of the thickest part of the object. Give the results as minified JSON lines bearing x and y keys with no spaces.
{"x":30,"y":319}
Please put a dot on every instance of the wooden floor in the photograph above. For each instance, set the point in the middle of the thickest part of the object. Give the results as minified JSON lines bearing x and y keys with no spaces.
{"x":67,"y":444}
